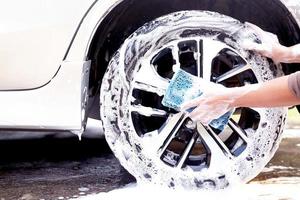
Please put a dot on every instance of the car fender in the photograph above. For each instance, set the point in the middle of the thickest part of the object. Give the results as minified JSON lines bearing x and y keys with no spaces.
{"x":81,"y":42}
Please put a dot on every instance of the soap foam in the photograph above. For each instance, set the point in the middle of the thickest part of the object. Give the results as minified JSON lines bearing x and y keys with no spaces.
{"x":129,"y":148}
{"x":279,"y":188}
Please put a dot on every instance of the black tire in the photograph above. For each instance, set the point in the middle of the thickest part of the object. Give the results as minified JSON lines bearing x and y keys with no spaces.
{"x":116,"y":99}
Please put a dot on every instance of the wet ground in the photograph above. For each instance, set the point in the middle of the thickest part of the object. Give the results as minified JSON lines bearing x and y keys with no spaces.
{"x":53,"y":166}
{"x":285,"y":163}
{"x":57,"y":166}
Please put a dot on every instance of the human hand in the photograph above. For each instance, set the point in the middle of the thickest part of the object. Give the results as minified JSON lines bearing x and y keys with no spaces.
{"x":215,"y":101}
{"x":269,"y":46}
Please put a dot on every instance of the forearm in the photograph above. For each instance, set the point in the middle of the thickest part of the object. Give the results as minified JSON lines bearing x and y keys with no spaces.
{"x":274,"y":93}
{"x":217,"y":99}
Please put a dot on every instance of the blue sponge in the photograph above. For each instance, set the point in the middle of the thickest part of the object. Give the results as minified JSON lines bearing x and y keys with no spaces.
{"x":184,"y":87}
{"x":180,"y":90}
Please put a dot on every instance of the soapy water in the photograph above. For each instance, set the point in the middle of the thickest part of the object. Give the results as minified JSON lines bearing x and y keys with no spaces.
{"x":276,"y":189}
{"x":184,"y":87}
{"x":140,"y":159}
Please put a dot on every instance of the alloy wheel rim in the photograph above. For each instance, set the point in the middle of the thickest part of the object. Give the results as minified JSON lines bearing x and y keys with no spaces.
{"x":173,"y":138}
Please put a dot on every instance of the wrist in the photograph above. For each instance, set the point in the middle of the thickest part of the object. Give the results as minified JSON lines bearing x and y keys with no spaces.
{"x":234,"y":96}
{"x":281,"y":53}
{"x":286,"y":54}
{"x":231,"y":96}
{"x":294,"y":51}
{"x":239,"y":95}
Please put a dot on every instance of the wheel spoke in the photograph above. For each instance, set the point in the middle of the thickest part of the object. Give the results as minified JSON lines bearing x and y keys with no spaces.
{"x":149,"y":88}
{"x":235,"y":127}
{"x":169,"y":131}
{"x":219,"y":142}
{"x":147,"y":111}
{"x":232,"y":73}
{"x":175,"y":53}
{"x":148,"y":79}
{"x":200,"y":59}
{"x":216,"y":148}
{"x":209,"y":52}
{"x":187,"y":150}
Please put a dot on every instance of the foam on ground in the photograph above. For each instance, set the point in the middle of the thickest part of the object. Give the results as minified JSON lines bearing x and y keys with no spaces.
{"x":273,"y":189}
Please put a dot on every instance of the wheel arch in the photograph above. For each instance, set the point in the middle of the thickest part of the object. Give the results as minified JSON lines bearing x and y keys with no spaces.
{"x":119,"y":19}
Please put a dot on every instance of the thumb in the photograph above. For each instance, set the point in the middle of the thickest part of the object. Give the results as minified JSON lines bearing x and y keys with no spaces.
{"x":250,"y":45}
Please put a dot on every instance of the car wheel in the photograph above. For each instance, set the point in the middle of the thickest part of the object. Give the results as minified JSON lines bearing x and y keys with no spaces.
{"x":157,"y":144}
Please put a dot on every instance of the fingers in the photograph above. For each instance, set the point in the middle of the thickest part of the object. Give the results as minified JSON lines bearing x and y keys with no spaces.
{"x":250,"y":45}
{"x":192,"y":103}
{"x":198,"y":112}
{"x":203,"y":116}
{"x":261,"y":33}
{"x":255,"y":28}
{"x":273,"y":36}
{"x":259,"y":48}
{"x":200,"y":115}
{"x":205,"y":113}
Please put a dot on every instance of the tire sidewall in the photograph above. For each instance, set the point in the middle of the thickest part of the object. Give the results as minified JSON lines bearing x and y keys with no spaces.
{"x":115,"y":99}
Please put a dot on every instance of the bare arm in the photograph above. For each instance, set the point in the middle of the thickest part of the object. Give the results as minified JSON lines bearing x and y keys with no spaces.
{"x":274,"y":93}
{"x":270,"y":47}
{"x":217,"y":100}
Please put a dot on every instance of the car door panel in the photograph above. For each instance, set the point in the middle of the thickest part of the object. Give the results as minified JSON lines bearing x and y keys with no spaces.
{"x":34,"y":38}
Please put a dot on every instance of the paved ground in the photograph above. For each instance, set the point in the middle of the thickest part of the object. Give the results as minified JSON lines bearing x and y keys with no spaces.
{"x":51,"y":167}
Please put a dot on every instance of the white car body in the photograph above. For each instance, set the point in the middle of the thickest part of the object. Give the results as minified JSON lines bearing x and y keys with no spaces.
{"x":43,"y":58}
{"x":43,"y":65}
